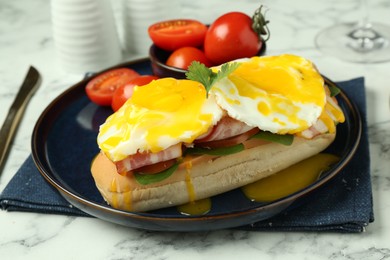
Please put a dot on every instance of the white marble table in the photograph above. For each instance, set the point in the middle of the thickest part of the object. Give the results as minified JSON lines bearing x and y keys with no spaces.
{"x":26,"y":38}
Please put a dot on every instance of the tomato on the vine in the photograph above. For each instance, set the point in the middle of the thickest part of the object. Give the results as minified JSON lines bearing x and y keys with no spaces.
{"x":230,"y":37}
{"x":100,"y":89}
{"x":173,"y":34}
{"x":124,"y":92}
{"x":182,"y":58}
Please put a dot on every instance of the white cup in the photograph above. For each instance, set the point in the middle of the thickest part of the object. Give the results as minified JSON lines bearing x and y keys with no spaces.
{"x":85,"y":35}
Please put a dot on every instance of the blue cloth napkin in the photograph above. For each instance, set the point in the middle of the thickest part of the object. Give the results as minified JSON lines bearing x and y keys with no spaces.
{"x":344,"y":204}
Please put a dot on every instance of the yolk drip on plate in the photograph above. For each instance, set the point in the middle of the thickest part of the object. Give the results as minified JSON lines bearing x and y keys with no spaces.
{"x":290,"y":180}
{"x":158,"y":115}
{"x":281,"y":94}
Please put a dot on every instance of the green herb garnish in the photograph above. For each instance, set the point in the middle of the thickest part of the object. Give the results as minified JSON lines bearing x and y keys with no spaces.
{"x":145,"y":179}
{"x":199,"y":72}
{"x":334,"y":91}
{"x":276,"y":138}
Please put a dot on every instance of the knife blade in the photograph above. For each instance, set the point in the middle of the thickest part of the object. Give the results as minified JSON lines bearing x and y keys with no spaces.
{"x":7,"y":132}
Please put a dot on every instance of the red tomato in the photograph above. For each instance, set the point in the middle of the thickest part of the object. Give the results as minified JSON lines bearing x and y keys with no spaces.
{"x":173,"y":34}
{"x":182,"y":58}
{"x":100,"y":89}
{"x":231,"y":37}
{"x":238,"y":139}
{"x":124,"y":92}
{"x":156,"y":168}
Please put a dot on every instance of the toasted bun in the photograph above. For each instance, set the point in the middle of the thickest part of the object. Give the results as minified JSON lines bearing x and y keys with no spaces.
{"x":202,"y":176}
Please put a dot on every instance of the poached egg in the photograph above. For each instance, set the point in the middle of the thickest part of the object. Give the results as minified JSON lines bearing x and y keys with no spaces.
{"x":160,"y":114}
{"x":282,"y":94}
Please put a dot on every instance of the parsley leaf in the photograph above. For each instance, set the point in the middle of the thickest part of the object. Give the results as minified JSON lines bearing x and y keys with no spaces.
{"x":199,"y":72}
{"x":334,"y":91}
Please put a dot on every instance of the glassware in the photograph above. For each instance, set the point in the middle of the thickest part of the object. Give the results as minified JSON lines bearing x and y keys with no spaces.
{"x":85,"y":35}
{"x":363,"y":42}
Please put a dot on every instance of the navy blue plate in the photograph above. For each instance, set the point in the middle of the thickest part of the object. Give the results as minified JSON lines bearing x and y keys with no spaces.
{"x":64,"y":144}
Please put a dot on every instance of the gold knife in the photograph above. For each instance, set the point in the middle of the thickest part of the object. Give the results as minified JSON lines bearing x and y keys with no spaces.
{"x":7,"y":132}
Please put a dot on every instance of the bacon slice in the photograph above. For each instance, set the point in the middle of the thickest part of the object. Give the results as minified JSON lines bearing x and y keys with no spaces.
{"x":227,"y":127}
{"x":142,"y":159}
{"x":316,"y":129}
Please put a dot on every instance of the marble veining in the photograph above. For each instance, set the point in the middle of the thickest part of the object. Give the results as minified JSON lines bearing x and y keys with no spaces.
{"x":26,"y":38}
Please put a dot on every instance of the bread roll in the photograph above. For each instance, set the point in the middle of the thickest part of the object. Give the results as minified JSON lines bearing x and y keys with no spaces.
{"x":199,"y":177}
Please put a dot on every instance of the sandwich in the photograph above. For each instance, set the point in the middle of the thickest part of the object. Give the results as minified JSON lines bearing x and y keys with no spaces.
{"x":179,"y":141}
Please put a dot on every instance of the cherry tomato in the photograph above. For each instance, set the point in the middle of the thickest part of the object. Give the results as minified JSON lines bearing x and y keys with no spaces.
{"x":231,"y":37}
{"x":156,"y":168}
{"x":124,"y":92}
{"x":100,"y":89}
{"x":238,"y":139}
{"x":182,"y":58}
{"x":173,"y":34}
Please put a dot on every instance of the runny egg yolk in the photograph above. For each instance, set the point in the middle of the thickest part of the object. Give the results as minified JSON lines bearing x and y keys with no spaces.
{"x":158,"y":115}
{"x":282,"y":94}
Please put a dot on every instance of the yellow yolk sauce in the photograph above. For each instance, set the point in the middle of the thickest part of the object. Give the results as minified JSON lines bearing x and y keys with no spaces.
{"x":195,"y":208}
{"x":333,"y":110}
{"x":104,"y":171}
{"x":188,"y":180}
{"x":290,"y":180}
{"x":114,"y":190}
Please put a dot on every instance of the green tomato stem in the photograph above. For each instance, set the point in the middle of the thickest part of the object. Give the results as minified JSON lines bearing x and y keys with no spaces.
{"x":259,"y":24}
